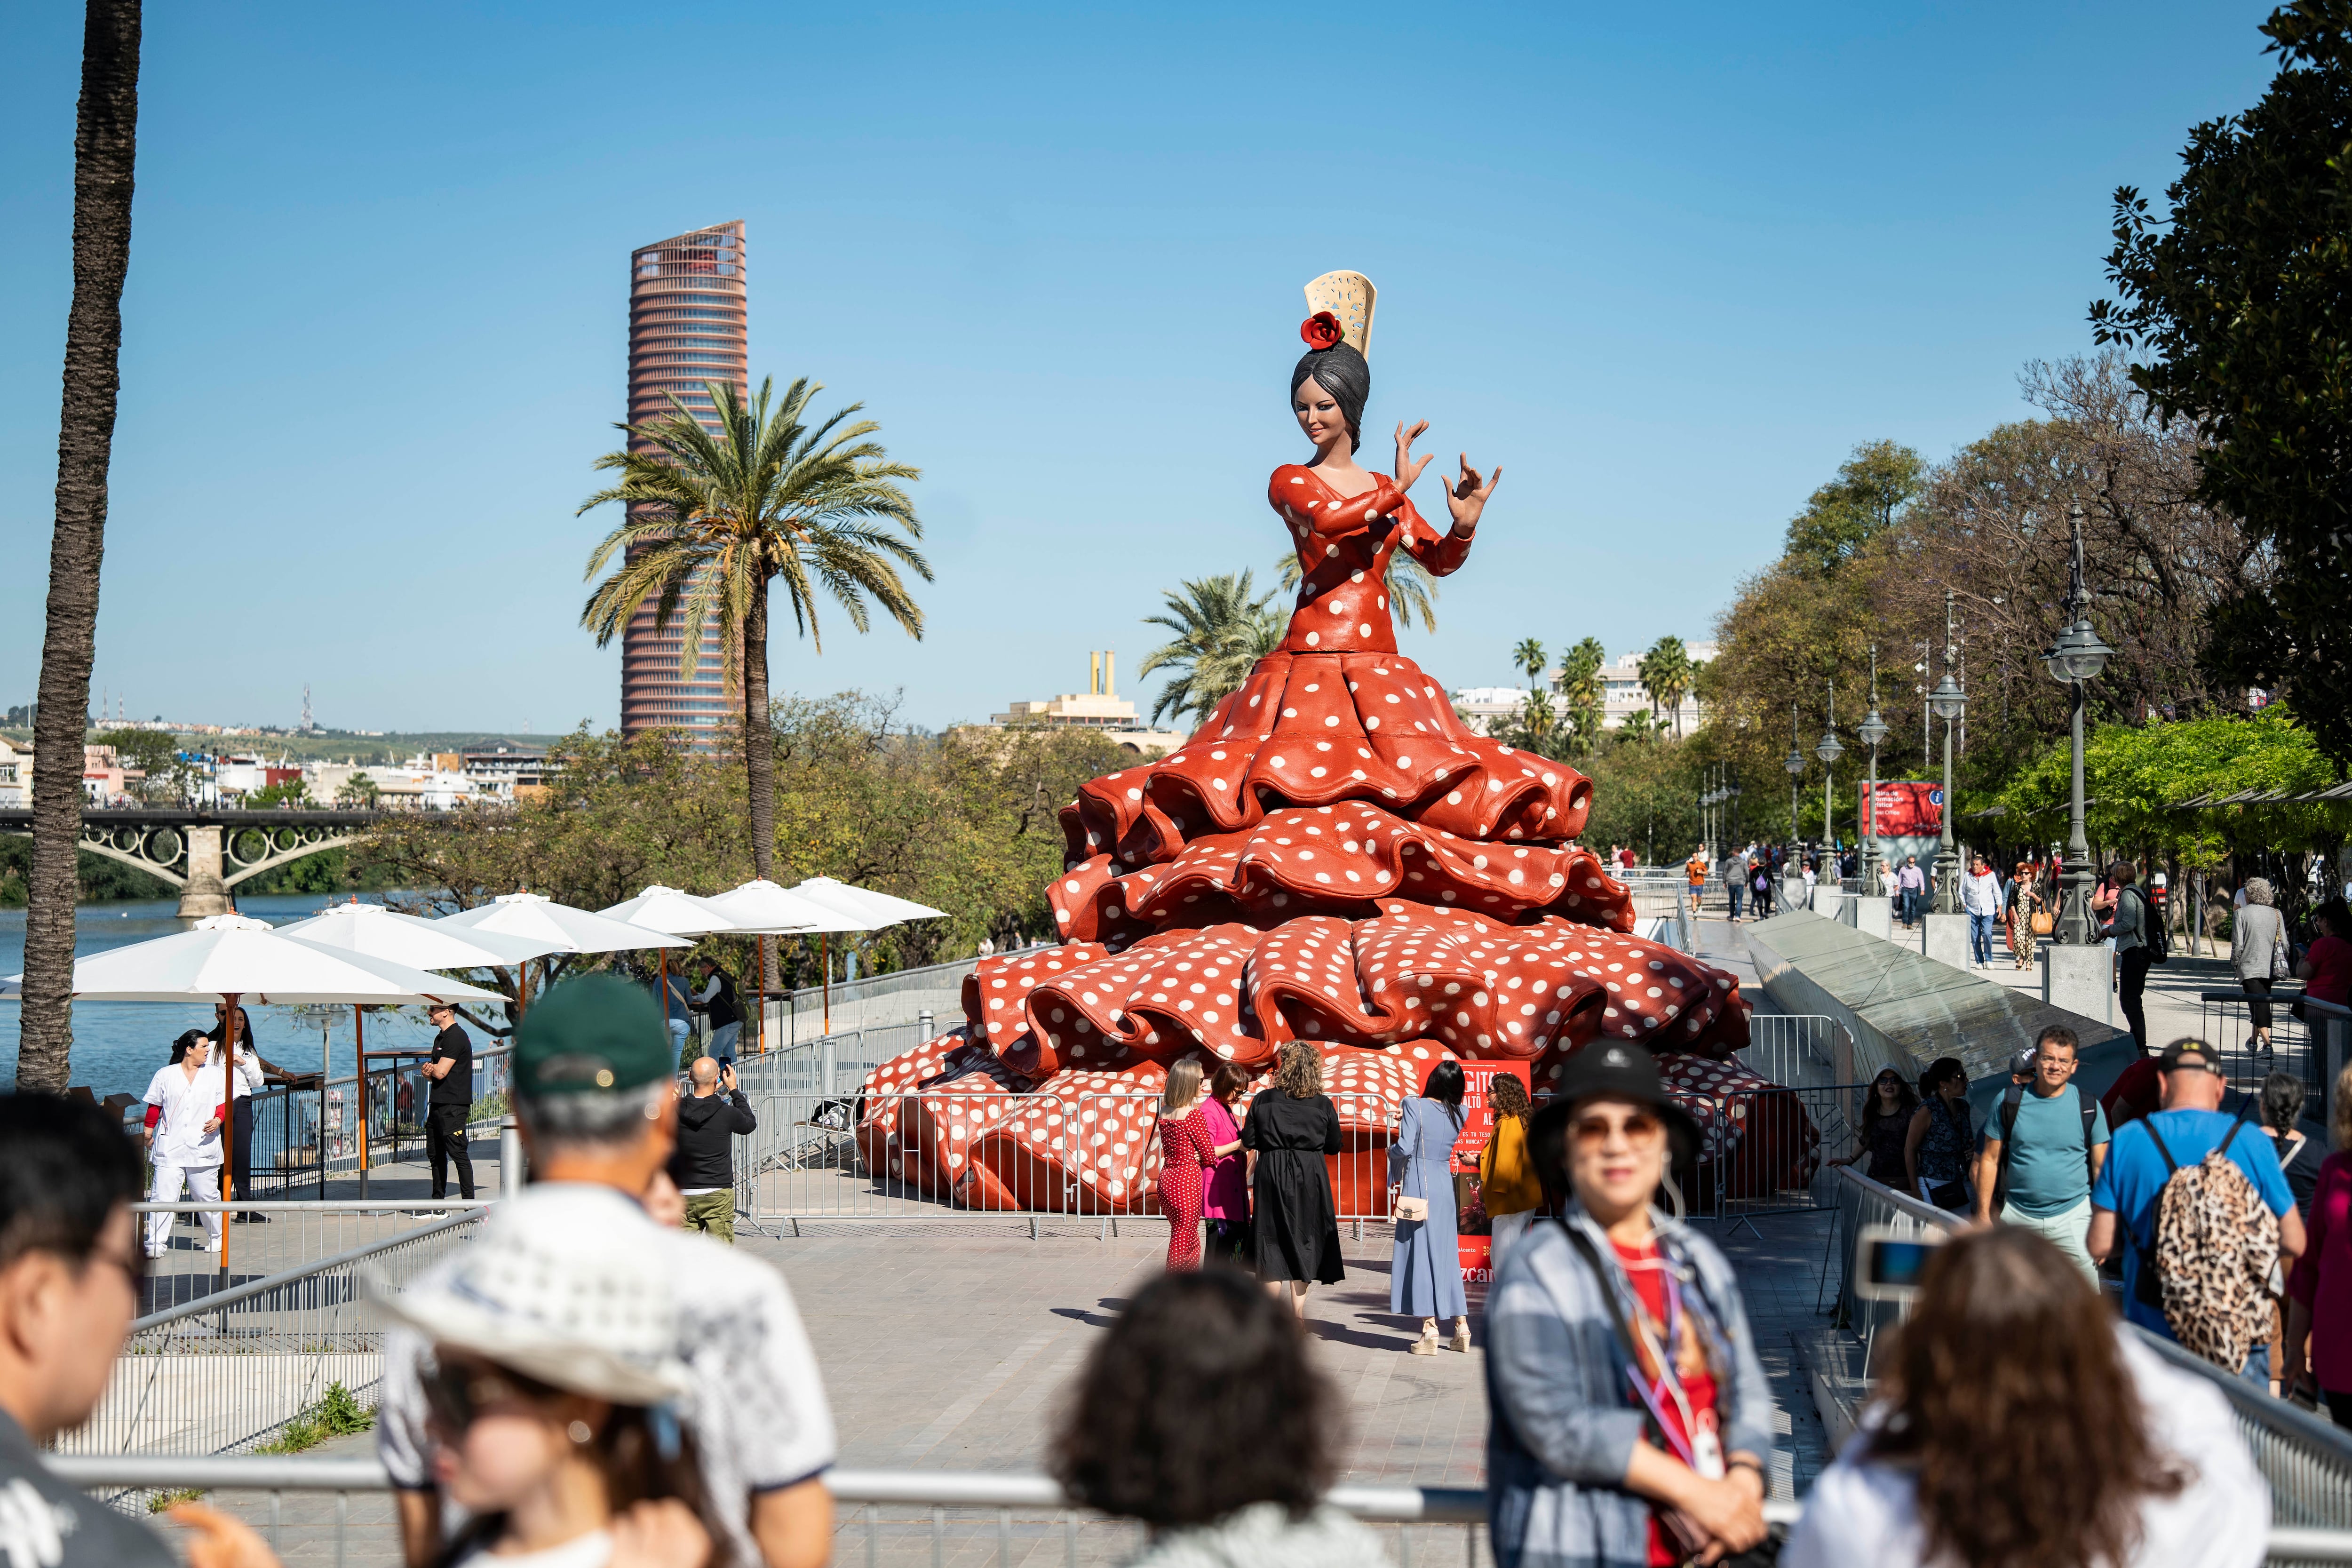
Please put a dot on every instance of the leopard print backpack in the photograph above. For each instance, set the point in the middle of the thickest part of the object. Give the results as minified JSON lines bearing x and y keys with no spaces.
{"x":2217,"y":1250}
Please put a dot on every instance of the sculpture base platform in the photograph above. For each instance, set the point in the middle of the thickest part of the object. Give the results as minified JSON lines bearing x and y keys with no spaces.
{"x":1947,"y":940}
{"x":2080,"y":979}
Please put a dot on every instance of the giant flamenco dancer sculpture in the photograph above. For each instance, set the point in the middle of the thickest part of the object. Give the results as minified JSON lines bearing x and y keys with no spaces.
{"x":1332,"y":857}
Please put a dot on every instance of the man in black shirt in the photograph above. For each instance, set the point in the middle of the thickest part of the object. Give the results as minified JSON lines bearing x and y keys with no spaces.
{"x":451,"y":1068}
{"x":717,"y":1000}
{"x":703,"y":1163}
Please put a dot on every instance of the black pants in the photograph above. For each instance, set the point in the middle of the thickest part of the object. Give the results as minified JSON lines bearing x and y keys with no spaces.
{"x":2135,"y":981}
{"x":2339,"y":1406}
{"x":241,"y":1169}
{"x":445,"y":1139}
{"x":2258,"y":1002}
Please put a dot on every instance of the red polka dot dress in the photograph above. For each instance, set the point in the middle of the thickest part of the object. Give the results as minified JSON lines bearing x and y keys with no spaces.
{"x":1184,"y":1150}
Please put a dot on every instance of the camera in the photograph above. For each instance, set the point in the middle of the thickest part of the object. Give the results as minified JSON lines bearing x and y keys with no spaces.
{"x":1887,"y":1262}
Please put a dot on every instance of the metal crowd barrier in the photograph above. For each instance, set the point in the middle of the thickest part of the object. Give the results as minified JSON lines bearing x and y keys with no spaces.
{"x":226,"y":1372}
{"x":872,"y":1000}
{"x":1800,"y":1049}
{"x":2313,"y":1048}
{"x":1767,"y":1151}
{"x":2307,"y":1460}
{"x":281,"y":1235}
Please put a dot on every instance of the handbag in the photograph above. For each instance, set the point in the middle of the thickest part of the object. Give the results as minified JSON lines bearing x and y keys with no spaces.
{"x":2044,"y":922}
{"x":2280,"y":968}
{"x":1405,"y":1208}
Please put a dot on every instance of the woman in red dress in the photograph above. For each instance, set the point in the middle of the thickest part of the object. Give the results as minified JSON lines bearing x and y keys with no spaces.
{"x":1186,"y":1149}
{"x":1333,"y":857}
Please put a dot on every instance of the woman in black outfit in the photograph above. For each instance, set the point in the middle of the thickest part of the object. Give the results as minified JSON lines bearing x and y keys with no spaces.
{"x":1886,"y":1122}
{"x":1291,"y":1128}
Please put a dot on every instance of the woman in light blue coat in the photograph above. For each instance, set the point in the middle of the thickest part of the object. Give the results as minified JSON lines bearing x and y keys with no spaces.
{"x":1425,"y":1278}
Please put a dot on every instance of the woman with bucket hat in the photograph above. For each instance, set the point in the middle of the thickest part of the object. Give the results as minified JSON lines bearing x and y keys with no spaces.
{"x":1631,"y":1419}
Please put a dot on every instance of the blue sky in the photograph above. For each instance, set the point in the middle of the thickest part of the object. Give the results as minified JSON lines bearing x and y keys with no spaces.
{"x":375,"y":328}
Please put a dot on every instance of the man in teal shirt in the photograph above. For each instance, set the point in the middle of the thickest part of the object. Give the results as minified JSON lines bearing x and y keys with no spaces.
{"x":2056,"y":1143}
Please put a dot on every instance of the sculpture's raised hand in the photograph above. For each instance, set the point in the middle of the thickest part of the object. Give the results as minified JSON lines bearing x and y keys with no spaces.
{"x":1467,"y":497}
{"x":1407,"y":468}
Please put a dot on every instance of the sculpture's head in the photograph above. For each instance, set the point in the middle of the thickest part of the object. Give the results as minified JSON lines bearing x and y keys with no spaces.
{"x":1328,"y":389}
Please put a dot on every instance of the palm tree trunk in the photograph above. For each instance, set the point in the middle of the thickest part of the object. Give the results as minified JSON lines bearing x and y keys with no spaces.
{"x":759,"y":759}
{"x":105,"y":139}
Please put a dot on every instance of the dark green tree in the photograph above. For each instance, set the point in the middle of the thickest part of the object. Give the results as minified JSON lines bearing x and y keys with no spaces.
{"x":2237,"y":295}
{"x":1864,"y":501}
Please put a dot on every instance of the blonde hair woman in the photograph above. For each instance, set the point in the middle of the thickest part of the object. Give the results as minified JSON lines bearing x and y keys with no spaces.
{"x":1185,"y":1146}
{"x":1291,"y":1130}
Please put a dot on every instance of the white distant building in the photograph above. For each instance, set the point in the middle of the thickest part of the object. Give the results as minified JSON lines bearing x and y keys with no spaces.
{"x":15,"y":777}
{"x":1488,"y":708}
{"x":1096,"y":707}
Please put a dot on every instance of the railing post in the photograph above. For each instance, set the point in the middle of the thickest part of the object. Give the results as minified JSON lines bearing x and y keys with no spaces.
{"x":927,"y":1025}
{"x":510,"y":1157}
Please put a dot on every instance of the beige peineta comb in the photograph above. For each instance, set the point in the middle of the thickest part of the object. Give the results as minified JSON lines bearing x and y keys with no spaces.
{"x":1348,"y":297}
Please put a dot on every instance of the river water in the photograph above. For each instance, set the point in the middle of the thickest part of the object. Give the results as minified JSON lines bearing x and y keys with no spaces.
{"x":118,"y":1046}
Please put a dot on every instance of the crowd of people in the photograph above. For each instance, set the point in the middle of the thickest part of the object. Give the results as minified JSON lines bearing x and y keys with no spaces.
{"x":592,"y":1384}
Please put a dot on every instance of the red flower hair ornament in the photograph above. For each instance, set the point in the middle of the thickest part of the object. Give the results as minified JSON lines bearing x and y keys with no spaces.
{"x":1320,"y":329}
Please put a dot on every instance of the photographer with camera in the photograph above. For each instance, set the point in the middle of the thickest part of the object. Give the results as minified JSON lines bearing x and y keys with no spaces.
{"x":703,"y":1164}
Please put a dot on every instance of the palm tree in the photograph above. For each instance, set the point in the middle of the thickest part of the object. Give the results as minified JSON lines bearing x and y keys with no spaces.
{"x":1411,"y":589}
{"x":716,"y":515}
{"x":1222,"y":631}
{"x":1667,"y":674}
{"x":106,"y":137}
{"x":1581,"y":689}
{"x":1535,"y":721}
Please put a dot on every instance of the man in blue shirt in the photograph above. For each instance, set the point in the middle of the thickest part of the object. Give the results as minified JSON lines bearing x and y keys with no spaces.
{"x":2054,"y":1152}
{"x":2131,"y":1183}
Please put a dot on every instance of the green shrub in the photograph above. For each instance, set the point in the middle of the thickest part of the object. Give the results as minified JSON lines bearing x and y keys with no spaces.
{"x":336,"y":1414}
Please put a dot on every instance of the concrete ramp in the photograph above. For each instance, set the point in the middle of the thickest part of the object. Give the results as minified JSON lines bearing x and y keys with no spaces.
{"x":1905,"y":1009}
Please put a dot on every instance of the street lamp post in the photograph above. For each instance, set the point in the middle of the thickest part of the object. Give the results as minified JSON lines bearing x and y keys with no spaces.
{"x":1792,"y":864}
{"x":1873,"y":730}
{"x":1828,"y":750}
{"x":1949,"y":702}
{"x":2075,"y":657}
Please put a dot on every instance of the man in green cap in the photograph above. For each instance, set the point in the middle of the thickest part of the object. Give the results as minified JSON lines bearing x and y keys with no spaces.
{"x":597,"y":1105}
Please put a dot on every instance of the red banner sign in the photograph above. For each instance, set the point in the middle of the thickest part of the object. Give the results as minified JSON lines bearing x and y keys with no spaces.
{"x":1477,"y":1126}
{"x":1909,"y":810}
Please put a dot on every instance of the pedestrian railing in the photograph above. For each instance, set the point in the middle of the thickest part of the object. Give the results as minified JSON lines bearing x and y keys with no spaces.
{"x":2313,"y":1048}
{"x":226,"y":1372}
{"x":318,"y":1509}
{"x":1800,"y":1049}
{"x":873,"y":1001}
{"x":2308,"y":1461}
{"x":277,"y":1236}
{"x":1768,"y":1151}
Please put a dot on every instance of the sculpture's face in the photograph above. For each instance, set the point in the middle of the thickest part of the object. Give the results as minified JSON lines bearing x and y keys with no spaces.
{"x":1318,"y":414}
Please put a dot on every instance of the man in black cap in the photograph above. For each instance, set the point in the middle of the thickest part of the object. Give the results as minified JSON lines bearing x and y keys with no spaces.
{"x":1610,"y":1438}
{"x":595,"y":1099}
{"x":451,"y":1068}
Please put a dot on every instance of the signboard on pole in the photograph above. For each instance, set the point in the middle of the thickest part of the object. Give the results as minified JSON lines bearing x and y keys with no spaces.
{"x":1909,"y":810}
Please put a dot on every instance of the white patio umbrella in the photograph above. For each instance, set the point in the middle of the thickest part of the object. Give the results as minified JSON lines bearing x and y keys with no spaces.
{"x":673,"y":914}
{"x":378,"y":932}
{"x":559,"y":926}
{"x":227,"y":958}
{"x":875,"y":910}
{"x":832,"y":906}
{"x":761,"y":908}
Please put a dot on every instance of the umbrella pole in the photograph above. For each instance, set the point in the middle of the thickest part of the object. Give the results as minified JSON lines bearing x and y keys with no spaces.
{"x":228,"y":1132}
{"x":825,"y":962}
{"x":358,"y":1057}
{"x":759,"y":996}
{"x":661,"y":956}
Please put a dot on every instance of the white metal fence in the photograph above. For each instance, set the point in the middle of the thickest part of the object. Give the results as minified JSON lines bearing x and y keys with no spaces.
{"x":227,"y":1371}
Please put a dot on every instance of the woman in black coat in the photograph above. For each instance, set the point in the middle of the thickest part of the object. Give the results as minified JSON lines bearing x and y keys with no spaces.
{"x":1292,"y":1125}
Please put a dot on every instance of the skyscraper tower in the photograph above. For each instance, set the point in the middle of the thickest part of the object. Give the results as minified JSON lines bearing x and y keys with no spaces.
{"x":686,"y":328}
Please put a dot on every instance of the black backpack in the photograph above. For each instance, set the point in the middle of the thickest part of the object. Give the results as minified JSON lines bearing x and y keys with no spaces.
{"x":2013,"y":1097}
{"x":2152,"y":932}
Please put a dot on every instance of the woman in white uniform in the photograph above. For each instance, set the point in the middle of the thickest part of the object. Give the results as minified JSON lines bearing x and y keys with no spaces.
{"x":184,"y":1101}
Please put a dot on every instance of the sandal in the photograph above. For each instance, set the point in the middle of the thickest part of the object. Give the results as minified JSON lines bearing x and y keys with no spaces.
{"x":1461,"y":1337}
{"x":1427,"y":1344}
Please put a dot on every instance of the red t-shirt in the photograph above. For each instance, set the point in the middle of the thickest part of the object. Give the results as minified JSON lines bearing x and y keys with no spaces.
{"x":2137,"y":1092}
{"x":2331,"y":970}
{"x":1646,"y":1270}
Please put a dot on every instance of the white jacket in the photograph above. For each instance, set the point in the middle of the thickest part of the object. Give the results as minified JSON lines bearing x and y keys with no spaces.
{"x":188,"y":1104}
{"x":1980,"y":895}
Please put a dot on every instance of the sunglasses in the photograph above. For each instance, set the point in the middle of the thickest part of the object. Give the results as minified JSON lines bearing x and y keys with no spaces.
{"x":1593,"y":1129}
{"x":458,"y":1391}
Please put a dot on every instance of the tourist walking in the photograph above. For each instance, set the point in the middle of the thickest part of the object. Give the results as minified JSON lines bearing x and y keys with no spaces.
{"x":2024,"y":906}
{"x":2132,"y":931}
{"x":1425,"y":1270}
{"x":1224,"y":1196}
{"x":2298,"y":1156}
{"x":2042,"y":1150}
{"x":2319,"y":1290}
{"x":702,"y":1166}
{"x":716,"y":1003}
{"x":450,"y":1104}
{"x":69,"y":1273}
{"x":184,"y":1111}
{"x":1185,"y":1154}
{"x":1760,"y":885}
{"x":1735,"y":883}
{"x":2260,"y":954}
{"x":1885,"y":1132}
{"x":252,"y":1075}
{"x":1630,"y":1421}
{"x":1202,"y":1415}
{"x":593,"y":1096}
{"x":1509,"y":1190}
{"x":2231,"y":1295}
{"x":1938,"y":1146}
{"x":1911,"y":885}
{"x":2017,"y":1422}
{"x":1981,"y":899}
{"x":1294,"y":1224}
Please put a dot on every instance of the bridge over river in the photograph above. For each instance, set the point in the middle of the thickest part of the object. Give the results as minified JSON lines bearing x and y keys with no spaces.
{"x":205,"y":852}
